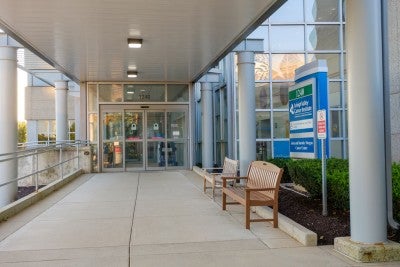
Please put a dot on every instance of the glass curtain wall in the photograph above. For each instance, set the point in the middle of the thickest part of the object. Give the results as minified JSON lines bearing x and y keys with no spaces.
{"x":299,"y":32}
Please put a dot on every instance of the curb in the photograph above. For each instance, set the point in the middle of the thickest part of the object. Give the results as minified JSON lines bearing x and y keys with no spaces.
{"x":17,"y":206}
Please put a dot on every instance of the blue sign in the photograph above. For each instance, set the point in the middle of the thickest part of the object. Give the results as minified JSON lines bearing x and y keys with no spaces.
{"x":302,"y":145}
{"x":309,"y":94}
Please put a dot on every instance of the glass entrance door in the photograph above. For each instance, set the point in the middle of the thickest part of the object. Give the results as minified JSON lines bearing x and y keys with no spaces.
{"x":138,"y":139}
{"x":112,"y":143}
{"x":155,"y":128}
{"x":134,"y":138}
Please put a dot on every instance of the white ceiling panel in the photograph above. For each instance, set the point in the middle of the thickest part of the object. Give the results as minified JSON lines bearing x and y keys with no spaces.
{"x":87,"y":40}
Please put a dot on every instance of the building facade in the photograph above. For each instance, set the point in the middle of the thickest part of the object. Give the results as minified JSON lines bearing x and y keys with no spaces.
{"x":297,"y":33}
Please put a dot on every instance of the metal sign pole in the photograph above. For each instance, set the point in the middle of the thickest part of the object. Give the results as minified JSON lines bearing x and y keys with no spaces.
{"x":324,"y":183}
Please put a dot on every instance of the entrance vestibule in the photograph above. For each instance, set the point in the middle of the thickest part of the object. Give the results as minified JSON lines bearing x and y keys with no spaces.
{"x":143,"y":137}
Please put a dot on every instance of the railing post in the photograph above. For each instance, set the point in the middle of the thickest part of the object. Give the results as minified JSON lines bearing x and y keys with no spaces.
{"x":61,"y":160}
{"x":77,"y":152}
{"x":36,"y":169}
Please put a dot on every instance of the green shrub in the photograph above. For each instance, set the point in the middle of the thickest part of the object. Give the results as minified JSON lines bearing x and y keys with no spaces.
{"x":283,"y":163}
{"x":333,"y":165}
{"x":307,"y":173}
{"x":338,"y":189}
{"x":396,"y":190}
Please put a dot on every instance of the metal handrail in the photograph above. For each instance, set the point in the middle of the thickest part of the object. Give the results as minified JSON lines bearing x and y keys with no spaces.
{"x":36,"y":148}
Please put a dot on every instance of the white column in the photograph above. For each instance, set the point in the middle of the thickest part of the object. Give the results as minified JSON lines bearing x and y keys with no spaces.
{"x":8,"y":122}
{"x":77,"y":113}
{"x":61,"y":110}
{"x":366,"y":132}
{"x":247,"y":110}
{"x":207,"y":123}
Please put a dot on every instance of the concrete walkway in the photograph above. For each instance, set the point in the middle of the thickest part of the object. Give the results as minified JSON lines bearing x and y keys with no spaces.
{"x":147,"y":219}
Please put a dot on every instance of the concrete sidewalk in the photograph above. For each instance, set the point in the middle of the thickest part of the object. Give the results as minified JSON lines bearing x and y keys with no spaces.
{"x":148,"y":219}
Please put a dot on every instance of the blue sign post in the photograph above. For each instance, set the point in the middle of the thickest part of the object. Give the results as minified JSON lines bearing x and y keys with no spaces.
{"x":309,"y":94}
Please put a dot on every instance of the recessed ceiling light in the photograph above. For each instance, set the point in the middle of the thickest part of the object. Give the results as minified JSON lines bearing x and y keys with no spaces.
{"x":135,"y":43}
{"x":132,"y":74}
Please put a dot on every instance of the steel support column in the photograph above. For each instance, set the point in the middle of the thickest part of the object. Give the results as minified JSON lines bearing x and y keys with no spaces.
{"x":8,"y":122}
{"x":247,"y":110}
{"x":366,"y":118}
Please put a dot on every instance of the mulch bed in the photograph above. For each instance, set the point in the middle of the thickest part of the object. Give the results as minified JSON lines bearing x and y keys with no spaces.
{"x":308,"y":213}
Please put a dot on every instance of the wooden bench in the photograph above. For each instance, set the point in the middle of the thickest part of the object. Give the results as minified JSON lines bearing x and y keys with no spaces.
{"x":261,"y":189}
{"x":229,"y":169}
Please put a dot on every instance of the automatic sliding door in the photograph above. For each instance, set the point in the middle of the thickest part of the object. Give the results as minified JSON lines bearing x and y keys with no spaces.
{"x":155,"y":128}
{"x":112,"y":137}
{"x":133,"y":124}
{"x":135,"y":139}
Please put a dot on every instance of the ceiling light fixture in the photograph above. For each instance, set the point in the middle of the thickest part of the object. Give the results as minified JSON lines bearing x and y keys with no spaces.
{"x":135,"y":43}
{"x":132,"y":74}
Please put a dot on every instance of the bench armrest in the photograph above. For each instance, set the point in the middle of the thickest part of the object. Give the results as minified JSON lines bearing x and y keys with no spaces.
{"x":259,"y":189}
{"x":234,"y":177}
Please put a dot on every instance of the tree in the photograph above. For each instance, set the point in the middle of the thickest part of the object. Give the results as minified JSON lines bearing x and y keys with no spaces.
{"x":22,"y":132}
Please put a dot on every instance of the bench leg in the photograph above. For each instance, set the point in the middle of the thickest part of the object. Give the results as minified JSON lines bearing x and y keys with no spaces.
{"x":204,"y":184}
{"x":223,"y":201}
{"x":213,"y":191}
{"x":247,"y":210}
{"x":275,"y":215}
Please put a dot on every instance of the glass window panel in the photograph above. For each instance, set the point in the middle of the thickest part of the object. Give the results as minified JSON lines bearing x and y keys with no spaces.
{"x":224,"y":113}
{"x":134,"y":154}
{"x":336,"y":149}
{"x":112,"y":155}
{"x":71,"y":130}
{"x":133,"y":125}
{"x":176,"y":153}
{"x":344,"y":36}
{"x":260,"y":33}
{"x":287,"y":38}
{"x":93,"y":128}
{"x":263,"y":149}
{"x":112,"y":126}
{"x":95,"y":154}
{"x":281,"y":124}
{"x":336,"y":123}
{"x":322,"y":10}
{"x":176,"y":124}
{"x":144,"y":93}
{"x":52,"y":130}
{"x":284,"y":65}
{"x":263,"y":125}
{"x":177,"y":93}
{"x":155,"y":125}
{"x":92,"y":97}
{"x":345,"y":94}
{"x":334,"y":94}
{"x":322,"y":37}
{"x":261,"y":68}
{"x":43,"y":127}
{"x":291,"y":11}
{"x":155,"y":154}
{"x":110,"y":93}
{"x":262,"y":96}
{"x":332,"y":61}
{"x":280,"y":96}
